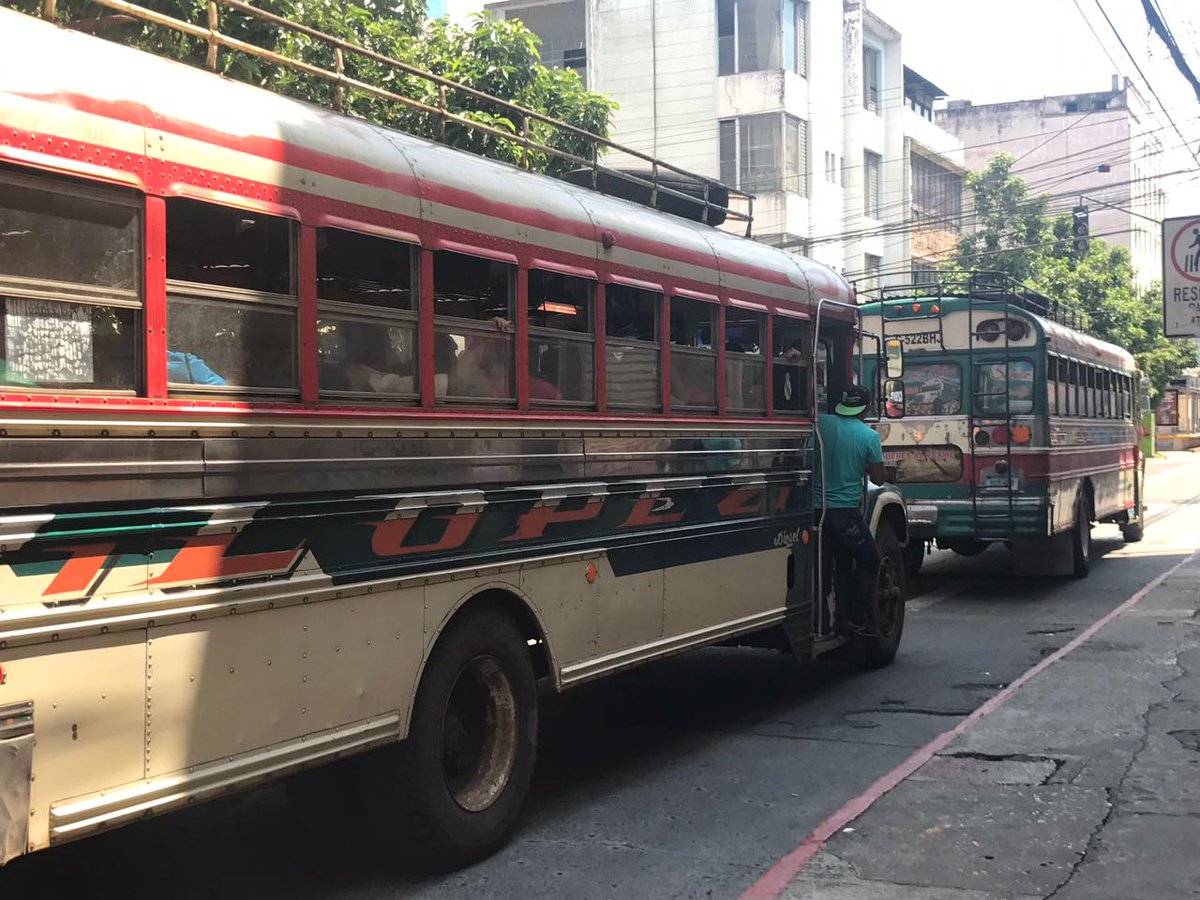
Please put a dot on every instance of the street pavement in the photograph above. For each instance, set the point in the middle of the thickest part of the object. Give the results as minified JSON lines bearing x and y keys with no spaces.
{"x":705,"y":775}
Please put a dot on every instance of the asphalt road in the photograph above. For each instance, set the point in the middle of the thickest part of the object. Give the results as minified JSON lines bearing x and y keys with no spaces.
{"x":687,"y":778}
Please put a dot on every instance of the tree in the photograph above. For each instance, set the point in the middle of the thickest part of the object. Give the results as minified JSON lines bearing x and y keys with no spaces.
{"x":497,"y":57}
{"x":1017,"y":235}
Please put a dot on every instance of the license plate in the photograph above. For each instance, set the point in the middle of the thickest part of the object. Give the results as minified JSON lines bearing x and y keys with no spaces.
{"x":1000,"y":481}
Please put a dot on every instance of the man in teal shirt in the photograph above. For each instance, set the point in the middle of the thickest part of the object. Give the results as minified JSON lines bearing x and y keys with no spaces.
{"x":847,"y":450}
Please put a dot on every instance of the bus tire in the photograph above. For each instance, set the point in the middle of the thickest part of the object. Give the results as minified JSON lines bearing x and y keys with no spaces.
{"x":1081,"y":538}
{"x":885,"y":616}
{"x":1135,"y":529}
{"x":451,"y":793}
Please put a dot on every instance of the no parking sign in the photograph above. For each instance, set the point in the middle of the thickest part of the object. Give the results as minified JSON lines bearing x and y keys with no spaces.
{"x":1181,"y":277}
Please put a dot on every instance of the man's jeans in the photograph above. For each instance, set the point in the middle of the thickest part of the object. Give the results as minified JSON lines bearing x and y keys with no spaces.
{"x":855,"y":562}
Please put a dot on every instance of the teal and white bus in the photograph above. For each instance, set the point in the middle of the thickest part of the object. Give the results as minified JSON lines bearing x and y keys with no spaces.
{"x":1016,"y":426}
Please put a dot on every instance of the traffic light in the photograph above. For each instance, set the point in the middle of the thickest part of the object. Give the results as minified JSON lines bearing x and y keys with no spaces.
{"x":1079,"y":230}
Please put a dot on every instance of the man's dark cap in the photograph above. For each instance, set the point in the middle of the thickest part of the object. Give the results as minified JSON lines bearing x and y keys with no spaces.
{"x":855,"y":399}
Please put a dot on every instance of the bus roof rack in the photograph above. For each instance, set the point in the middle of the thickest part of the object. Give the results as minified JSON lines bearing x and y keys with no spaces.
{"x":657,"y":183}
{"x":996,"y":287}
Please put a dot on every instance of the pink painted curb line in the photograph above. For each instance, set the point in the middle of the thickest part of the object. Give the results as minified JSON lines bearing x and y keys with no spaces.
{"x":773,"y":882}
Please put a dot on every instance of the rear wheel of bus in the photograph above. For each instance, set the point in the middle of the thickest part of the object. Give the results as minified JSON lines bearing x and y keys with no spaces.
{"x":451,"y":792}
{"x":1081,"y":537}
{"x":885,"y":618}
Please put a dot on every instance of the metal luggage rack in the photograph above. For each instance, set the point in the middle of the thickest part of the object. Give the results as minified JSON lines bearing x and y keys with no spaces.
{"x":994,"y":287}
{"x":649,"y":190}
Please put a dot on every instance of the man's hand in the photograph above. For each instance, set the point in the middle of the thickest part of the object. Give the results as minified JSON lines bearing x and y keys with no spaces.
{"x":876,"y":473}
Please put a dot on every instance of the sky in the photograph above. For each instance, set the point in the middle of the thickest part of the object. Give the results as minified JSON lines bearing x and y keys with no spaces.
{"x":988,"y":52}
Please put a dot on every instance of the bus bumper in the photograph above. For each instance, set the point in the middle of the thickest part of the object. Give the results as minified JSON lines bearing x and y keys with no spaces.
{"x":16,"y":775}
{"x":988,"y":518}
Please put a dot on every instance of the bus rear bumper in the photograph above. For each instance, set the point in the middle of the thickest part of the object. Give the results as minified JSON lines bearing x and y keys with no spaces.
{"x":991,"y":518}
{"x":16,"y":777}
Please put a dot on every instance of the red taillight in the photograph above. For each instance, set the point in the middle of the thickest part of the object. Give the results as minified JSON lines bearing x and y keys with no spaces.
{"x":1022,"y":434}
{"x":1000,"y":434}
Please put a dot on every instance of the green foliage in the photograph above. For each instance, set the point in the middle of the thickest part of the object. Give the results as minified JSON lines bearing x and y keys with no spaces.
{"x":1016,"y":235}
{"x":497,"y":57}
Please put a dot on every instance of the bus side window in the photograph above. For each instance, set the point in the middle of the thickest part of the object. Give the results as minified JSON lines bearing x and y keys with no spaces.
{"x":70,"y":285}
{"x":231,"y":298}
{"x":790,"y":386}
{"x":745,"y":364}
{"x":1051,"y":385}
{"x":473,"y":326}
{"x":633,"y":320}
{"x":562,"y":328}
{"x":693,"y":354}
{"x":366,"y":300}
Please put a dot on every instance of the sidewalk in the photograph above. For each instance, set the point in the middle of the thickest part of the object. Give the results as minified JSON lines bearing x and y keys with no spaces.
{"x":1084,"y":784}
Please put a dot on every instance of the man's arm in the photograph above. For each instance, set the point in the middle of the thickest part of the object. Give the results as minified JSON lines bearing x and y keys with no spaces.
{"x":875,"y":460}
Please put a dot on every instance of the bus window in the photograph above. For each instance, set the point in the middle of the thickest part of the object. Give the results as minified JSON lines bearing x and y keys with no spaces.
{"x":932,"y":389}
{"x":633,"y":322}
{"x":745,"y":363}
{"x":70,"y":286}
{"x":992,"y":383}
{"x":693,"y":355}
{"x":561,"y":338}
{"x":789,"y":376}
{"x":1089,"y":391}
{"x":473,"y":331}
{"x":367,"y":331}
{"x":231,"y":297}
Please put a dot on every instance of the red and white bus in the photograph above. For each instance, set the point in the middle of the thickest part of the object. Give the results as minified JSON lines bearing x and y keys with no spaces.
{"x":316,"y":437}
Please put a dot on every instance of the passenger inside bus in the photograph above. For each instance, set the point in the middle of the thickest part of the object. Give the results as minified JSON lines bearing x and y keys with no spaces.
{"x":369,"y":362}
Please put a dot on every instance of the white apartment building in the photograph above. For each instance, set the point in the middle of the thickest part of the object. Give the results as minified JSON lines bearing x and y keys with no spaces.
{"x":1101,"y":149}
{"x":807,"y":105}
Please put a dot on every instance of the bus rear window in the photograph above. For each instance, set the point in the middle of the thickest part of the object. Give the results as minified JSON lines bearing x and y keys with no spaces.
{"x":933,"y":389}
{"x":992,"y":386}
{"x":930,"y":465}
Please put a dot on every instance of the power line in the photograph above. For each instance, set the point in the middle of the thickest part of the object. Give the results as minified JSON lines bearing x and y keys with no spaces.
{"x":1160,"y":27}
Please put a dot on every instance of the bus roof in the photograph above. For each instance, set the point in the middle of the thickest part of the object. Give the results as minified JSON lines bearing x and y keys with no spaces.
{"x":1059,"y":337}
{"x":85,"y":105}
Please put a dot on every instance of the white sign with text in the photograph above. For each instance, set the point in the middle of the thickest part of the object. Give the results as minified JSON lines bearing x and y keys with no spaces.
{"x":1181,"y":277}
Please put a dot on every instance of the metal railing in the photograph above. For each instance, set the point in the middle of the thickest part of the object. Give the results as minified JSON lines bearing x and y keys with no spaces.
{"x":985,"y":286}
{"x":441,"y":112}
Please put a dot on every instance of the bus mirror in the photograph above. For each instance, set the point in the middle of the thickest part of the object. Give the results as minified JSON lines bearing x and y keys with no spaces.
{"x":893,"y":404}
{"x":893,"y":348}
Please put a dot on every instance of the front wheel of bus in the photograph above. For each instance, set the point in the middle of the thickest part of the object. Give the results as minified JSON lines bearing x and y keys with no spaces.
{"x":885,"y":619}
{"x":454,"y":788}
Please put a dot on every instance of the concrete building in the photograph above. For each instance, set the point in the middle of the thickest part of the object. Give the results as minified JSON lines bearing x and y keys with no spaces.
{"x":809,"y":106}
{"x":1100,"y":149}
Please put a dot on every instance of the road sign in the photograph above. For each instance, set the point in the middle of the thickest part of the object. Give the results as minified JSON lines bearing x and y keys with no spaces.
{"x":1181,"y":277}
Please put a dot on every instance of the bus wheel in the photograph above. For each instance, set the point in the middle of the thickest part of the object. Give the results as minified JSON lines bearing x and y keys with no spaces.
{"x":885,"y":617}
{"x":1135,"y":529}
{"x":451,"y":792}
{"x":914,"y":556}
{"x":1081,"y":538}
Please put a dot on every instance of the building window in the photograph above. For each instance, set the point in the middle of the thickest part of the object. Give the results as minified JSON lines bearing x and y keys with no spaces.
{"x":871,"y":166}
{"x":70,"y":285}
{"x":923,"y":272}
{"x":765,"y":153}
{"x":872,"y":78}
{"x":762,"y":35}
{"x":231,"y":297}
{"x":871,"y":266}
{"x":795,"y":36}
{"x":936,"y":193}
